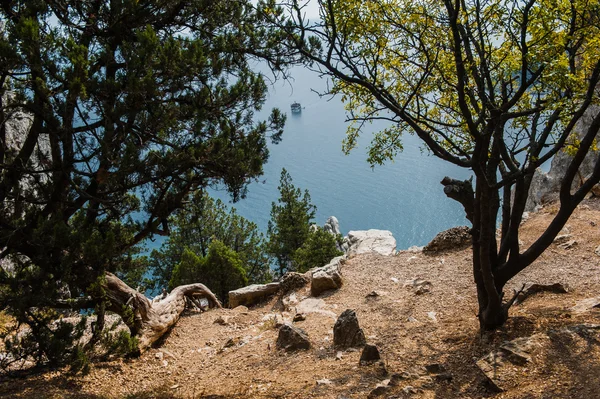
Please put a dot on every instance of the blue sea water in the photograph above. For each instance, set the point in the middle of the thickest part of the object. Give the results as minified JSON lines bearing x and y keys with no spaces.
{"x":404,"y":196}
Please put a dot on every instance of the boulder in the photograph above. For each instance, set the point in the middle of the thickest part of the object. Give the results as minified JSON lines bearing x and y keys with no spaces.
{"x":251,"y":294}
{"x":365,"y":241}
{"x":346,"y":331}
{"x":369,"y":354}
{"x":292,"y":281}
{"x":328,"y":277}
{"x":453,"y":239}
{"x":292,"y":338}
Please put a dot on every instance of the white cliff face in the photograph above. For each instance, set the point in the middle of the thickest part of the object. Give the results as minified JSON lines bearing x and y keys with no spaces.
{"x":545,"y":186}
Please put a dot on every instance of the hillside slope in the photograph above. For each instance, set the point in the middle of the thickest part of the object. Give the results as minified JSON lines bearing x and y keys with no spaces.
{"x":236,"y":357}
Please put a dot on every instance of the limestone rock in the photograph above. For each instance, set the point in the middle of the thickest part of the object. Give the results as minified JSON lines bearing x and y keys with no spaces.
{"x":369,"y":354}
{"x":499,"y":366}
{"x":545,"y":186}
{"x":453,"y":239}
{"x":346,"y":331}
{"x":586,"y":305}
{"x":419,"y":286}
{"x":332,"y":226}
{"x":365,"y":241}
{"x":378,"y":391}
{"x":328,"y":277}
{"x":314,"y":305}
{"x":292,"y":338}
{"x":251,"y":294}
{"x":292,"y":281}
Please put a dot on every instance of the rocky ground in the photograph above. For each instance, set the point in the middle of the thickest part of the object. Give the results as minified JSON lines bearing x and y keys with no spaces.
{"x":419,"y":310}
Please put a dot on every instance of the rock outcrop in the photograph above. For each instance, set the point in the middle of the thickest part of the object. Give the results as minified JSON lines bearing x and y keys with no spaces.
{"x":251,"y":294}
{"x":328,"y":277}
{"x":545,"y":186}
{"x":332,"y":226}
{"x":456,"y":238}
{"x":365,"y":241}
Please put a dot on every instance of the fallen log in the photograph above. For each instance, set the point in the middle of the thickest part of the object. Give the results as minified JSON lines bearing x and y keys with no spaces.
{"x":148,"y":320}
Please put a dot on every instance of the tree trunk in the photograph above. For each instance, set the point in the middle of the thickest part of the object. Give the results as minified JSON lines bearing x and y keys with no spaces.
{"x":148,"y":320}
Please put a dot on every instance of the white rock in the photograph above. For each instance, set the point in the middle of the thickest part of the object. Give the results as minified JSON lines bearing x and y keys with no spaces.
{"x":432,"y":316}
{"x":365,"y":241}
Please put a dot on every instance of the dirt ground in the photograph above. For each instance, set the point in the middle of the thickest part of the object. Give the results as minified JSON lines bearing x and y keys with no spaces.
{"x":238,"y":358}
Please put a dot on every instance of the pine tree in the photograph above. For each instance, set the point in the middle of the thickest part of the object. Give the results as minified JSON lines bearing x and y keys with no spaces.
{"x":289,"y":226}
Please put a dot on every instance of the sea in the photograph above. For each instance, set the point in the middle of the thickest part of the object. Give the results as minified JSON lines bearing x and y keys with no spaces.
{"x":404,"y":196}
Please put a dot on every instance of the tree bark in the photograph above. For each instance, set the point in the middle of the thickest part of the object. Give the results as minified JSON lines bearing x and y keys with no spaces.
{"x":148,"y":320}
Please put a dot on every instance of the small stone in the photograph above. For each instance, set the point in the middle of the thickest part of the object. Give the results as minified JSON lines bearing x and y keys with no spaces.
{"x":397,"y":377}
{"x":299,"y":317}
{"x":165,"y":363}
{"x":222,"y":320}
{"x":338,"y":355}
{"x":373,"y":294}
{"x":597,"y":251}
{"x":411,"y":319}
{"x":432,"y":316}
{"x":435,"y":368}
{"x":426,"y":381}
{"x":443,"y":377}
{"x":175,"y":386}
{"x":324,"y":381}
{"x":369,"y":354}
{"x":409,"y":390}
{"x":378,"y":391}
{"x":292,"y":338}
{"x":568,"y":244}
{"x":159,"y":355}
{"x":394,"y":279}
{"x":562,"y":238}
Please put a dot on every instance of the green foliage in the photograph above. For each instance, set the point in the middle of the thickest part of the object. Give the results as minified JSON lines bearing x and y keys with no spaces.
{"x":318,"y":249}
{"x":221,"y":270}
{"x":122,"y":111}
{"x":121,"y":343}
{"x":497,"y":87}
{"x":201,"y":222}
{"x":289,"y":226}
{"x":48,"y":340}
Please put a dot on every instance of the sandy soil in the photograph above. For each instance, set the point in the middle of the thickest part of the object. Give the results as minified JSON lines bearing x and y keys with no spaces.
{"x":238,"y":359}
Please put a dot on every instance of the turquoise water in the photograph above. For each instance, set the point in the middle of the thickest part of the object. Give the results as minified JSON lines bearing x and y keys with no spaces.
{"x":405,"y":196}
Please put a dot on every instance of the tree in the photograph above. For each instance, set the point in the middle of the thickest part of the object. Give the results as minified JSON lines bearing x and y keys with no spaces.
{"x":221,"y":269}
{"x":131,"y":106}
{"x":289,"y":226}
{"x":493,"y":86}
{"x":318,"y":250}
{"x":201,"y":222}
